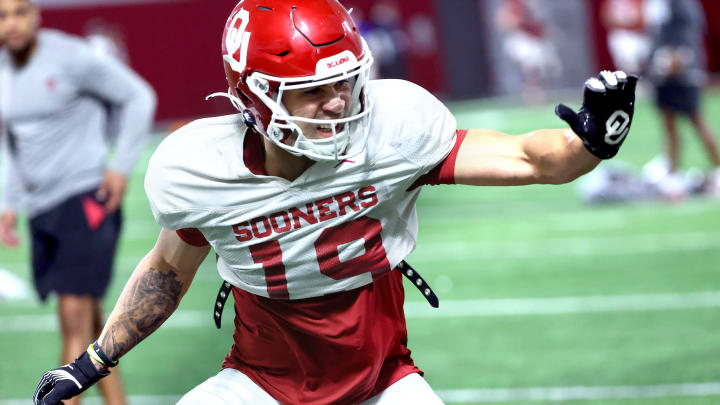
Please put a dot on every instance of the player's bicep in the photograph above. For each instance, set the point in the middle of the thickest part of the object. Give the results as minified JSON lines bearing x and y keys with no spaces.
{"x":492,"y":158}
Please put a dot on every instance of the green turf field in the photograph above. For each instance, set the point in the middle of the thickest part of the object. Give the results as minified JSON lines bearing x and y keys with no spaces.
{"x":542,"y":298}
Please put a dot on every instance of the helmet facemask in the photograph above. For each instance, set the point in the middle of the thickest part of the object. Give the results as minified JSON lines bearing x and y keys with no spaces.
{"x":283,"y":129}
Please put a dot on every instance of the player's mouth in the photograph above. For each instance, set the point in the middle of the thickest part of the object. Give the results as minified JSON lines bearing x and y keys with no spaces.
{"x":325,"y":131}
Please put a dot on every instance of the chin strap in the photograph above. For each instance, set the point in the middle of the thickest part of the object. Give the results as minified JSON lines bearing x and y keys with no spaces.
{"x":247,"y":117}
{"x":406,"y":269}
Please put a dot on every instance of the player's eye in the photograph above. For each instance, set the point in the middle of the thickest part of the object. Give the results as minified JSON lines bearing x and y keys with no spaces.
{"x":312,"y":91}
{"x":342,"y":84}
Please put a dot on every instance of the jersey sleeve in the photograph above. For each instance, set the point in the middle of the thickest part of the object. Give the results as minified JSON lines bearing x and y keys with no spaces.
{"x":173,"y":186}
{"x":429,"y":129}
{"x":193,"y":174}
{"x":444,"y":172}
{"x":159,"y":189}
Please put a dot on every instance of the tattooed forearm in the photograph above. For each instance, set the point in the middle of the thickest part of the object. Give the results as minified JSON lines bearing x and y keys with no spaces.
{"x":144,"y":306}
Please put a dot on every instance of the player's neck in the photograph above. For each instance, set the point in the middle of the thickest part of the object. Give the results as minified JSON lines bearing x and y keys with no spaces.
{"x":22,"y":56}
{"x":281,"y":163}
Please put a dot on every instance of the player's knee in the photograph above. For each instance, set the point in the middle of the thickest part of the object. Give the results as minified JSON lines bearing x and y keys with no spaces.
{"x":76,"y":315}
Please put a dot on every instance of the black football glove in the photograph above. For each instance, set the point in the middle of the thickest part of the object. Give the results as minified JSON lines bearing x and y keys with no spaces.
{"x":67,"y":381}
{"x":604,"y":119}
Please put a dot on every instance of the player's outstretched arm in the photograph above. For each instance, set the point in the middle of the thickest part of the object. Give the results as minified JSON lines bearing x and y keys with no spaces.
{"x":546,"y":156}
{"x":554,"y":156}
{"x":151,"y":295}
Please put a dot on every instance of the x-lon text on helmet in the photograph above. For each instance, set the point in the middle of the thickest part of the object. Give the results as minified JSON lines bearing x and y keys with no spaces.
{"x":338,"y":62}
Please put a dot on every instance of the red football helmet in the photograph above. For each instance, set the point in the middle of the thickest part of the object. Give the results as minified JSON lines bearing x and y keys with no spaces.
{"x":270,"y":46}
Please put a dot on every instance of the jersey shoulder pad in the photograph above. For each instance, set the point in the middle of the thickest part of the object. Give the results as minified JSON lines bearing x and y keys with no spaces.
{"x":420,"y":126}
{"x":188,"y":164}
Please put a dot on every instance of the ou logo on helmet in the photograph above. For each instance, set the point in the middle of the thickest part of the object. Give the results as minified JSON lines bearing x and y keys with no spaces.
{"x":238,"y":38}
{"x":617,"y":127}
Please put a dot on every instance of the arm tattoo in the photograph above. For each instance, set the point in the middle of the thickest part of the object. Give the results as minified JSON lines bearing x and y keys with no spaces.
{"x":149,"y":301}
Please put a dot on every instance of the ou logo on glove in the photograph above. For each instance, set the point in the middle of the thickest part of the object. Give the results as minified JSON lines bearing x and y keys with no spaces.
{"x":618,"y":126}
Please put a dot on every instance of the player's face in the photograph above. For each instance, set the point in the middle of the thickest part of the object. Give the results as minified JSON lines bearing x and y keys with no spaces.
{"x":330,"y":101}
{"x":19,"y":21}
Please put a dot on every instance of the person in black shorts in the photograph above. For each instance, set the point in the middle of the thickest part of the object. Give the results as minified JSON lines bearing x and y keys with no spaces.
{"x":677,"y":69}
{"x":58,"y":171}
{"x":73,"y":246}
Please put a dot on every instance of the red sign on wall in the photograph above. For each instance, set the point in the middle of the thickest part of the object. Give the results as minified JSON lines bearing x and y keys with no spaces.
{"x":174,"y":45}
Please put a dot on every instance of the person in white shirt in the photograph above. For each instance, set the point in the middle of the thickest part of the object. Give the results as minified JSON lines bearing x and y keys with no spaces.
{"x":55,"y":93}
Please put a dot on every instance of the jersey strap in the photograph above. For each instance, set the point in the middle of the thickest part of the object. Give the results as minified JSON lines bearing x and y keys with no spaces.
{"x":406,"y":269}
{"x":419,"y":282}
{"x":222,"y":297}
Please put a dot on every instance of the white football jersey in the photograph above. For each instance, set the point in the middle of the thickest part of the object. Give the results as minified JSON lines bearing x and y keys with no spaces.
{"x":335,"y":228}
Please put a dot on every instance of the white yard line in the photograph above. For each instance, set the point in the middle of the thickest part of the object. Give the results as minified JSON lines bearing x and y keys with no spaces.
{"x":12,"y":287}
{"x":557,"y":394}
{"x":563,"y":305}
{"x":579,"y":393}
{"x":448,"y":309}
{"x":569,"y":246}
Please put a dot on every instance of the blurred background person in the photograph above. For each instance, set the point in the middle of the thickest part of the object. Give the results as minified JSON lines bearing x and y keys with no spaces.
{"x":677,"y":69}
{"x":387,"y":40}
{"x":107,"y":41}
{"x":53,"y":93}
{"x":628,"y":41}
{"x":366,"y":30}
{"x":528,"y":44}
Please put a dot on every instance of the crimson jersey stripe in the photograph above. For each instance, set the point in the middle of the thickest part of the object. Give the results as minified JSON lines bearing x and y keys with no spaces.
{"x":444,"y":172}
{"x":192,"y":236}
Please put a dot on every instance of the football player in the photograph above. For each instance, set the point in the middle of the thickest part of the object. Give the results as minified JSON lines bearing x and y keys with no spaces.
{"x":307,"y":196}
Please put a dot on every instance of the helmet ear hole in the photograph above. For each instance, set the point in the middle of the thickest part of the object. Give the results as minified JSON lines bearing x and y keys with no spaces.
{"x":249,"y":119}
